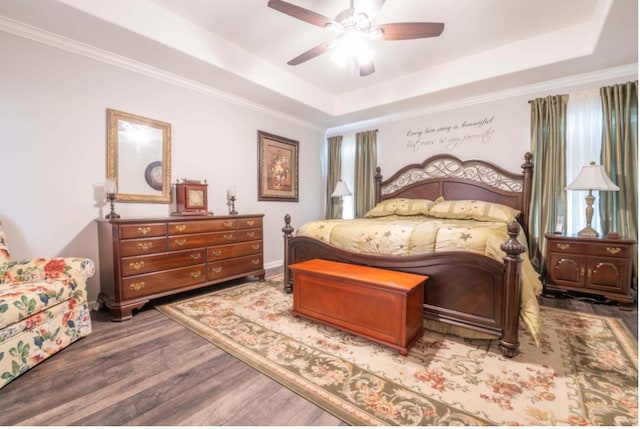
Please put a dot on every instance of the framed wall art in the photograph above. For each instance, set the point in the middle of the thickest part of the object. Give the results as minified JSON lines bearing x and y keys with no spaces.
{"x":277,"y":168}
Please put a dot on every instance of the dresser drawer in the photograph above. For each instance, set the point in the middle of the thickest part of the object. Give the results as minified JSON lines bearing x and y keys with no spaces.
{"x":178,"y":242}
{"x":253,"y":222}
{"x":595,"y":249}
{"x":229,"y":267}
{"x":202,"y":226}
{"x":138,"y":286}
{"x":143,"y":247}
{"x":137,"y":265}
{"x":143,"y":230}
{"x":218,"y":253}
{"x":249,"y":234}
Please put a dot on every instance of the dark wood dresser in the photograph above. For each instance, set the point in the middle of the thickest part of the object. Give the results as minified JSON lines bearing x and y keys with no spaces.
{"x":146,"y":258}
{"x":599,"y":266}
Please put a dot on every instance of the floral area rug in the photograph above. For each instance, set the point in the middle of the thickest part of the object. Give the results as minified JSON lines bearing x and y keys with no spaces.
{"x":584,"y":373}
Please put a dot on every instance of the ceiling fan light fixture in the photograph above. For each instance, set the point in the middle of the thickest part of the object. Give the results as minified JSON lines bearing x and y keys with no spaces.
{"x":376,"y":34}
{"x":335,"y":27}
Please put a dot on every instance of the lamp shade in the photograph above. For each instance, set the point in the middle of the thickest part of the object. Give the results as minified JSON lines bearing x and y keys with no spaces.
{"x":341,"y":190}
{"x":592,"y":177}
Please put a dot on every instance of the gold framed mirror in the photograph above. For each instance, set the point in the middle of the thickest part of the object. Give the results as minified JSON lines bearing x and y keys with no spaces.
{"x":139,"y":157}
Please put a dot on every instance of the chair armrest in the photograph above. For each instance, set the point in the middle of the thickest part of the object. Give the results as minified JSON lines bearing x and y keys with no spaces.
{"x":77,"y":269}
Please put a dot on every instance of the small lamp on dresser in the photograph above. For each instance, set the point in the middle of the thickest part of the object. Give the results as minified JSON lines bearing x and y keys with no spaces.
{"x":591,"y":177}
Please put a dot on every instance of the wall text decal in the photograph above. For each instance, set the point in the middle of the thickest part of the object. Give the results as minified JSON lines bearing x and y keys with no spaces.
{"x":451,"y":135}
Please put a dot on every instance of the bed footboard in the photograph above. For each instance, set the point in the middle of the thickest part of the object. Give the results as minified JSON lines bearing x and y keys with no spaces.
{"x":464,"y":289}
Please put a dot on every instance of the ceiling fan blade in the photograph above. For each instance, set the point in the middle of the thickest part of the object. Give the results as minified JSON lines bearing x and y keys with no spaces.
{"x":366,"y":69}
{"x":300,"y":13}
{"x":410,"y":30}
{"x":311,"y":53}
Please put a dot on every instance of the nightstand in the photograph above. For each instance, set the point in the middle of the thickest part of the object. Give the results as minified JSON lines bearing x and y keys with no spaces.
{"x":600,"y":266}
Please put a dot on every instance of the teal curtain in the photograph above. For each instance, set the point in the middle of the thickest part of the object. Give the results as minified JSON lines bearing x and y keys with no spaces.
{"x":334,"y":168}
{"x":548,"y":147}
{"x":619,"y":156}
{"x":366,"y":163}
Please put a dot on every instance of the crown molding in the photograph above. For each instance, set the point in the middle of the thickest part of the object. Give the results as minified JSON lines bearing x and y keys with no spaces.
{"x":39,"y":35}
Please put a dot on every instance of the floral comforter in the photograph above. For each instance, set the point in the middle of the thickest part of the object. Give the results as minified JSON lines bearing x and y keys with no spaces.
{"x":414,"y":235}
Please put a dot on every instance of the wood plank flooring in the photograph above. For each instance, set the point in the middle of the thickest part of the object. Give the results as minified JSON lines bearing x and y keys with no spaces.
{"x":152,"y":371}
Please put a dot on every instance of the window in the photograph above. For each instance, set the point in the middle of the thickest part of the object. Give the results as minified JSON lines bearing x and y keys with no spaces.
{"x":347,"y":172}
{"x":584,"y":141}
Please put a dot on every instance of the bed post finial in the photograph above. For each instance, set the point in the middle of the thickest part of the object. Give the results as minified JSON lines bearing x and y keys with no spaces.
{"x":377,"y":179}
{"x":509,"y":344}
{"x":288,"y":233}
{"x":527,"y":172}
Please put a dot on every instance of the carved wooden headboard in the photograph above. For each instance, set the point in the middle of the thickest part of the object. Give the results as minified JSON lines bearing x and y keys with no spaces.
{"x":448,"y":177}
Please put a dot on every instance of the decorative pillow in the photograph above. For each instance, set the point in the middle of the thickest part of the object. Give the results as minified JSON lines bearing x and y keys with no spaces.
{"x":401,"y":207}
{"x":473,"y":209}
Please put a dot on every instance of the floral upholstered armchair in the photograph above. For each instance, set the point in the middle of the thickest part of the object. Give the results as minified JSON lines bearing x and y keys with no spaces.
{"x":43,"y":309}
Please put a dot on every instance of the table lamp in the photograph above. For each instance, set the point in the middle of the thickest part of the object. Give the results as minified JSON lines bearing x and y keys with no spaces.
{"x":591,"y":177}
{"x":341,"y":190}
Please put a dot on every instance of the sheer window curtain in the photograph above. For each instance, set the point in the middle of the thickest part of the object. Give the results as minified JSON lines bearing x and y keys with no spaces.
{"x":348,"y":165}
{"x":366,"y":162}
{"x":548,"y":147}
{"x":584,"y":140}
{"x":334,"y":172}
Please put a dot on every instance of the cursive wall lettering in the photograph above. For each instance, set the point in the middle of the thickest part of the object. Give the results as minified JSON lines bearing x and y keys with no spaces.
{"x":451,"y":135}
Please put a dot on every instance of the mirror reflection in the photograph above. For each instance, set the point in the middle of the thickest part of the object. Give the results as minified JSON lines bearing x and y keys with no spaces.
{"x":138,"y":157}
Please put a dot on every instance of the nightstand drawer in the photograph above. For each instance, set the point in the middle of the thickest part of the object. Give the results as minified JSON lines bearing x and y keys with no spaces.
{"x":595,"y":249}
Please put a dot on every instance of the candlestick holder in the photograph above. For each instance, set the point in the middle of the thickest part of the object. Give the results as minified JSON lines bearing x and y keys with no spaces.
{"x":112,"y":214}
{"x":110,"y":188}
{"x":231,"y":202}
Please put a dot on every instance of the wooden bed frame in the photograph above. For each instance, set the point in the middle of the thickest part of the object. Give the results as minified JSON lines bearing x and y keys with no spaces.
{"x":464,"y":289}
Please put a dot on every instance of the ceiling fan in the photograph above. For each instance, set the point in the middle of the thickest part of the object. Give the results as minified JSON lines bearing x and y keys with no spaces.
{"x":353,"y":27}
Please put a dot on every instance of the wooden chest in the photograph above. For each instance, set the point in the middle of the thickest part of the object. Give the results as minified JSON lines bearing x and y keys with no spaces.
{"x":380,"y":305}
{"x":142,"y":259}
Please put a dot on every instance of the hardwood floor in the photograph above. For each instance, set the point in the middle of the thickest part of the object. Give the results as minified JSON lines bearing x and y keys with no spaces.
{"x":152,"y":371}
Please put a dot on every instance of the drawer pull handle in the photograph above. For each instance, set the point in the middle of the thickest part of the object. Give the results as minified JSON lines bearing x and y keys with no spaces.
{"x":228,"y":237}
{"x":614,"y":250}
{"x":589,"y":273}
{"x":216,"y":269}
{"x":228,"y":224}
{"x":145,"y":246}
{"x":255,"y":246}
{"x":250,"y":234}
{"x":181,"y":241}
{"x":136,"y":265}
{"x":255,"y":261}
{"x":181,"y":228}
{"x":563,"y":246}
{"x":216,"y":252}
{"x":136,"y":285}
{"x":195,"y":256}
{"x":195,"y":274}
{"x":250,"y":222}
{"x":581,"y":271}
{"x":144,"y":230}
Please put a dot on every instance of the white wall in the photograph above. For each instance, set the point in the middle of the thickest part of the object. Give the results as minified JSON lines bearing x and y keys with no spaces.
{"x":495,"y":129}
{"x":53,"y":150}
